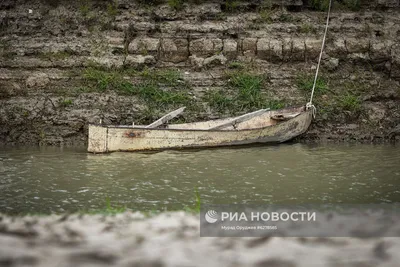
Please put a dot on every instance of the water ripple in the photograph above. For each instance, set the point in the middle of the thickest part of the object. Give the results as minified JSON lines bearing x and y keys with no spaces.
{"x":51,"y":179}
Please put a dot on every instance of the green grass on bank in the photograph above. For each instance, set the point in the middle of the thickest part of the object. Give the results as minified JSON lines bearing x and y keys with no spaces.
{"x":334,"y":97}
{"x":59,"y":55}
{"x":305,"y":83}
{"x":162,"y":89}
{"x":349,"y":102}
{"x":245,"y":92}
{"x":66,"y":102}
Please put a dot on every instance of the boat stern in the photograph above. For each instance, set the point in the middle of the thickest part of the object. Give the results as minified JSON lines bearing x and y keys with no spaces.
{"x":97,"y":139}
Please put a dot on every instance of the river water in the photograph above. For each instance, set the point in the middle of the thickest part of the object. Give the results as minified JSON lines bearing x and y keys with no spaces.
{"x":43,"y":180}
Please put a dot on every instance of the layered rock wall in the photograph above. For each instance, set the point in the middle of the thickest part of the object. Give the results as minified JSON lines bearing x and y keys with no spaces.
{"x":46,"y":47}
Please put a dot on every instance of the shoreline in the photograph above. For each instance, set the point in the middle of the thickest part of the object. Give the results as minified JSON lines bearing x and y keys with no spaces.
{"x":305,"y":139}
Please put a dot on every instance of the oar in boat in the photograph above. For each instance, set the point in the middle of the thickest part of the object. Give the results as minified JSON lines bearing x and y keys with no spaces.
{"x":240,"y":119}
{"x":166,"y":118}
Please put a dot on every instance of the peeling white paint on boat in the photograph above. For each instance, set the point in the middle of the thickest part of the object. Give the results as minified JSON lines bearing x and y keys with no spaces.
{"x":268,"y":127}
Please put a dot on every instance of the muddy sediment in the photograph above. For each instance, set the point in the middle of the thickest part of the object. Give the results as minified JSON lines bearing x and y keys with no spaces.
{"x":65,"y":64}
{"x":171,"y":239}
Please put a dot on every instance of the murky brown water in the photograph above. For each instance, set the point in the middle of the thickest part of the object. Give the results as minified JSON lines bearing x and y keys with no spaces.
{"x":58,"y":180}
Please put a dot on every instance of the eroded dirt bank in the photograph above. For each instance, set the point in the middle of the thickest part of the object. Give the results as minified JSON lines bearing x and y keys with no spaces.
{"x":64,"y":64}
{"x":171,"y":239}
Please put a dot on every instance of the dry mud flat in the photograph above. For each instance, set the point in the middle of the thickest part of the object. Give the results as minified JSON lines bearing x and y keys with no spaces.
{"x":171,"y":239}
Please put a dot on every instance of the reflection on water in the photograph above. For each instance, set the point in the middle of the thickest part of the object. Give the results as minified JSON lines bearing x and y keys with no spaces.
{"x":57,"y":180}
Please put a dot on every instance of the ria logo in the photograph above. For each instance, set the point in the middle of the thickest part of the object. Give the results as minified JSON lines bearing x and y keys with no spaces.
{"x":211,"y":216}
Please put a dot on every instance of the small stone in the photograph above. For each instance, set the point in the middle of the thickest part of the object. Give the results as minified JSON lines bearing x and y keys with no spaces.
{"x":249,"y":47}
{"x":297,"y":49}
{"x":376,"y":112}
{"x":174,"y":50}
{"x":275,"y":50}
{"x":374,"y":82}
{"x":38,"y":80}
{"x":312,"y":48}
{"x":139,"y":61}
{"x":215,"y":61}
{"x":205,"y":47}
{"x":388,"y":3}
{"x":325,"y":97}
{"x":332,"y":64}
{"x":357,"y":45}
{"x":144,"y":46}
{"x":262,"y":48}
{"x":230,"y":48}
{"x":196,"y":62}
{"x":165,"y":12}
{"x":108,"y":62}
{"x":395,"y":130}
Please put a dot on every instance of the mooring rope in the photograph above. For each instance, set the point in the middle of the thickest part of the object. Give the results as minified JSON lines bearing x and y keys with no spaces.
{"x":310,"y":104}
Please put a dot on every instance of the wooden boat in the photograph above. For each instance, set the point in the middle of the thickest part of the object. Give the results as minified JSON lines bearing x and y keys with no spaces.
{"x":262,"y":126}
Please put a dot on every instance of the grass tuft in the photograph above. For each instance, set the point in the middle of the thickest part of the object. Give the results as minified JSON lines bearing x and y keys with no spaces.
{"x":113,"y":210}
{"x":101,"y":80}
{"x":265,"y":14}
{"x":84,"y":8}
{"x":66,"y":102}
{"x":305,"y":83}
{"x":170,"y":77}
{"x":276,"y":104}
{"x":176,"y":4}
{"x":158,"y":89}
{"x":244,"y":93}
{"x":349,"y":102}
{"x":197,"y":203}
{"x":108,"y":210}
{"x":236,"y":65}
{"x":112,"y":9}
{"x":219,"y":101}
{"x":285,"y":17}
{"x":231,"y":5}
{"x":307,"y":28}
{"x":155,"y":96}
{"x":249,"y":89}
{"x":60,"y":55}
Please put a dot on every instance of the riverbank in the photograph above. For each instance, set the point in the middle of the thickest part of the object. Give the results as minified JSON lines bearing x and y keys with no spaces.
{"x":65,"y":64}
{"x":171,"y":239}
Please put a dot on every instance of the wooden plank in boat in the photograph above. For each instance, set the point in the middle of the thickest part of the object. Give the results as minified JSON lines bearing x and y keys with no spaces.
{"x":166,"y":118}
{"x":284,"y":117}
{"x":239,"y":119}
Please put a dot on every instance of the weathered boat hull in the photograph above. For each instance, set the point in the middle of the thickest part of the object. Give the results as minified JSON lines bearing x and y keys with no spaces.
{"x":118,"y":138}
